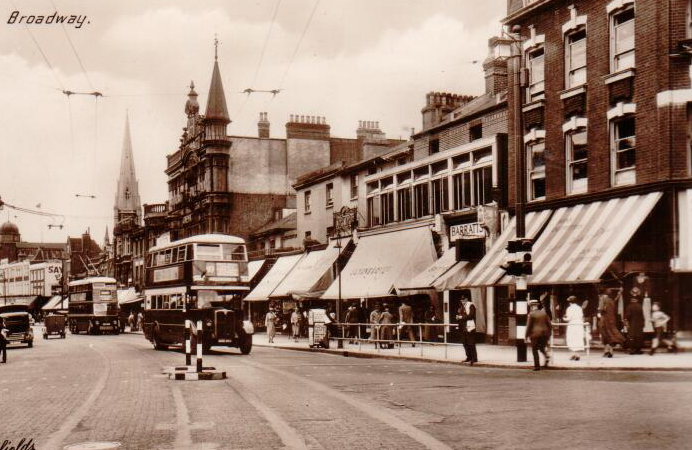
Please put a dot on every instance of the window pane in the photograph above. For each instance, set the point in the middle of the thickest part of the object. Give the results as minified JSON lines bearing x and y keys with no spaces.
{"x":624,"y":37}
{"x":579,"y":171}
{"x":578,"y":54}
{"x":538,"y":188}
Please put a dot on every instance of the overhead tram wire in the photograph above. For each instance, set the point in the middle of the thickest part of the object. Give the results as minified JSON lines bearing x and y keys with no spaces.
{"x":295,"y":52}
{"x":74,"y":50}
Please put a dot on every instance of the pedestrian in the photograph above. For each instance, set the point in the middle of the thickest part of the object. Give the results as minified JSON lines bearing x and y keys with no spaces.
{"x":406,"y":316}
{"x":607,"y":324}
{"x":140,"y":321}
{"x":574,"y":316}
{"x":375,"y":317}
{"x":295,"y":323}
{"x":430,"y":316}
{"x":270,"y":323}
{"x":634,"y":323}
{"x":4,"y":334}
{"x":352,"y":319}
{"x":538,"y":329}
{"x":131,"y":322}
{"x":466,"y":318}
{"x":332,"y":327}
{"x":659,"y":321}
{"x":385,"y":328}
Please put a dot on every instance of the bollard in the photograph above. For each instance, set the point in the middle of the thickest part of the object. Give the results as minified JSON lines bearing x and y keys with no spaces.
{"x":188,"y":344}
{"x":200,"y":346}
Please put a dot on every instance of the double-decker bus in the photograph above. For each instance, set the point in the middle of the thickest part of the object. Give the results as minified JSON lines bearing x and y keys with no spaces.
{"x":93,"y":306}
{"x":205,"y":275}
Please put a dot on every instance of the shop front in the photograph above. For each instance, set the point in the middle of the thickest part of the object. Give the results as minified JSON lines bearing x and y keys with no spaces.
{"x":381,"y":265}
{"x":257,"y":301}
{"x":585,"y":250}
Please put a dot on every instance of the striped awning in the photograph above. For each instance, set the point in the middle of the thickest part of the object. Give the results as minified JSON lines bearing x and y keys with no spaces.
{"x":488,"y":270}
{"x":581,"y":241}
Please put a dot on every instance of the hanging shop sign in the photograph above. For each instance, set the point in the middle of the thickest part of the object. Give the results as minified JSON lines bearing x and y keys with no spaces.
{"x":466,"y":231}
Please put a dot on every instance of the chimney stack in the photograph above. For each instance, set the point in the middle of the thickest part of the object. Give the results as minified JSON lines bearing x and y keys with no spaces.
{"x":439,"y":104}
{"x":495,"y":65}
{"x":263,"y":126}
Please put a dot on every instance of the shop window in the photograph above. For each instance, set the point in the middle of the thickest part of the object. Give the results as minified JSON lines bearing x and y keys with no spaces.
{"x":462,"y":190}
{"x":330,"y":194}
{"x":440,"y":195}
{"x":535,"y":65}
{"x":404,"y":204}
{"x":623,"y":135}
{"x":535,"y":154}
{"x":386,"y":183}
{"x":373,"y":205}
{"x":354,"y":186}
{"x":577,"y":161}
{"x":403,"y":177}
{"x":622,"y":39}
{"x":421,"y":202}
{"x":575,"y":58}
{"x":461,"y":161}
{"x":387,"y":207}
{"x":483,"y":185}
{"x":476,"y":132}
{"x":307,"y":197}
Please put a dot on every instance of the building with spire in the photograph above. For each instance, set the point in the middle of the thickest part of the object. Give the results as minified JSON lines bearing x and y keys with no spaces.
{"x":127,"y":212}
{"x":220,"y":183}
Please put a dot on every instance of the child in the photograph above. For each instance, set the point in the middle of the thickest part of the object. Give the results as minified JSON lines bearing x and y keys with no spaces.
{"x":659,"y":320}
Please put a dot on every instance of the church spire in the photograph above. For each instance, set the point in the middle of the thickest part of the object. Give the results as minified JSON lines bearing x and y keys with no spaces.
{"x":106,"y":240}
{"x":216,"y":102}
{"x":127,"y":195}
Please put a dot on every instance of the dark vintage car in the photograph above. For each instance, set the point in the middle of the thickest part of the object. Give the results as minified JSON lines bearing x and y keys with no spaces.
{"x":54,"y":324}
{"x":18,"y":324}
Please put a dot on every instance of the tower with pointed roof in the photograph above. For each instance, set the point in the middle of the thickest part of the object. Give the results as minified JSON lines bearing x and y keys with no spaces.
{"x":199,"y":200}
{"x":127,"y":202}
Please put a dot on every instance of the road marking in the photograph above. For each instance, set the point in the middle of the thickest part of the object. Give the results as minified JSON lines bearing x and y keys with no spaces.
{"x":73,"y":419}
{"x":288,"y":435}
{"x":374,"y":411}
{"x":183,"y":435}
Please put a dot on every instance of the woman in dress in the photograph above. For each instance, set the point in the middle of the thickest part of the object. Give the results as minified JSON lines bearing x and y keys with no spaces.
{"x":270,"y":323}
{"x":574,"y":316}
{"x":607,"y":324}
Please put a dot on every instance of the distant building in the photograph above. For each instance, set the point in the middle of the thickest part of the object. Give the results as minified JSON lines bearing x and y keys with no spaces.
{"x":14,"y":249}
{"x":84,"y":253}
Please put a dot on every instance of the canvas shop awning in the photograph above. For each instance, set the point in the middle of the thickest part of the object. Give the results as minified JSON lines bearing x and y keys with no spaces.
{"x":305,"y":276}
{"x":487,"y":272}
{"x":55,"y":303}
{"x":441,"y":275}
{"x":271,"y":280}
{"x":581,"y":241}
{"x":383,"y":263}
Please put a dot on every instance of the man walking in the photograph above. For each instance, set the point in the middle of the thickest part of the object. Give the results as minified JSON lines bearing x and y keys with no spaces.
{"x":3,"y":340}
{"x":538,"y":328}
{"x":466,"y":318}
{"x":406,"y":316}
{"x":634,"y":321}
{"x":375,"y":317}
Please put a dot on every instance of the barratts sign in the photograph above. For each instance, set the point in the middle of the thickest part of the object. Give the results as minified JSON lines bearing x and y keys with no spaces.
{"x":466,"y":231}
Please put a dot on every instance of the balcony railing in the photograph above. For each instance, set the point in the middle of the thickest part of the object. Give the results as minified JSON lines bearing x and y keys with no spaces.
{"x":156,"y":209}
{"x":256,"y":254}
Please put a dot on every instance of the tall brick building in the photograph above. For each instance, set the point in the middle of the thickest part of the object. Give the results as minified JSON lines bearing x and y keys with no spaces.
{"x":603,"y":109}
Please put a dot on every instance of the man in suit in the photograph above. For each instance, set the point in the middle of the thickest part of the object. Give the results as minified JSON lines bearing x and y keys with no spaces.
{"x":3,"y":340}
{"x":406,"y":316}
{"x":538,"y":329}
{"x":466,"y":318}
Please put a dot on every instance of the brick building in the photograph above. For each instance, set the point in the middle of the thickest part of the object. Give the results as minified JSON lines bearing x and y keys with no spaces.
{"x":603,"y":109}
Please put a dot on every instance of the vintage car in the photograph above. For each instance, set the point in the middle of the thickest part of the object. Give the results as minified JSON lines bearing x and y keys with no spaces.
{"x":18,"y":323}
{"x":54,"y":324}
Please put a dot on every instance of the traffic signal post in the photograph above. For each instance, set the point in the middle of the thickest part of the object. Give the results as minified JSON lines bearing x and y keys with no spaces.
{"x":519,"y":264}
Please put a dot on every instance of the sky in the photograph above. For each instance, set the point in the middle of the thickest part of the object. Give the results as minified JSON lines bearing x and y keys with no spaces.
{"x":347,"y":60}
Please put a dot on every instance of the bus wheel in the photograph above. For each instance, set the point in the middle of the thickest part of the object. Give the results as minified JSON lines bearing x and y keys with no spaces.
{"x":206,"y":348}
{"x":245,"y":342}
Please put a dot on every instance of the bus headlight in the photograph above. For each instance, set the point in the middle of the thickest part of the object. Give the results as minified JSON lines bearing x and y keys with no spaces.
{"x":248,"y":327}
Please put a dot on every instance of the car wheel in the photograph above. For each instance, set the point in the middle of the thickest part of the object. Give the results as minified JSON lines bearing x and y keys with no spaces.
{"x":158,"y":345}
{"x":245,"y":342}
{"x":30,"y":344}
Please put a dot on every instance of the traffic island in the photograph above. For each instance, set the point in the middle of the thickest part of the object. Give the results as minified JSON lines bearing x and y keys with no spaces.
{"x":191,"y":373}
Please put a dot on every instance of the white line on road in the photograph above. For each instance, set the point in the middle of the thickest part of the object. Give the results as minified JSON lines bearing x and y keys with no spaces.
{"x":288,"y":435}
{"x":183,"y":435}
{"x":374,"y":411}
{"x":74,"y":418}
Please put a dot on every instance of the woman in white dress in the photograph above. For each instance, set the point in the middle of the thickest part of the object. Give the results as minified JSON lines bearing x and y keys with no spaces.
{"x":574,"y":316}
{"x":270,"y":323}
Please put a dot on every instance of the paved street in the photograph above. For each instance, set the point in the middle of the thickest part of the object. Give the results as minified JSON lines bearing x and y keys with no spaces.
{"x":110,"y":388}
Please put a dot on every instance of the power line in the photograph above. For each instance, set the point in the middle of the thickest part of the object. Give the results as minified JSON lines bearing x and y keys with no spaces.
{"x":45,"y":58}
{"x":266,"y":40}
{"x":74,"y":50}
{"x":295,"y":52}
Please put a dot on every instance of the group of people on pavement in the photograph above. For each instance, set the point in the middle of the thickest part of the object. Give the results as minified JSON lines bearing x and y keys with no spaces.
{"x":136,"y":323}
{"x":298,"y":321}
{"x":539,"y":326}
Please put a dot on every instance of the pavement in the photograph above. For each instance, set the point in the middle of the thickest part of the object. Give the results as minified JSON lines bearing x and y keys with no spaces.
{"x":493,"y":355}
{"x":96,"y":389}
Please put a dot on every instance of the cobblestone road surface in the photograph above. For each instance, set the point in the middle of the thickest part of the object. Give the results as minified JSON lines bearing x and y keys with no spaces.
{"x":110,"y":388}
